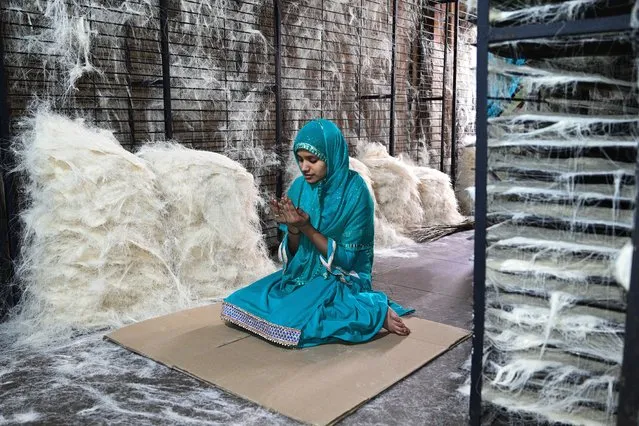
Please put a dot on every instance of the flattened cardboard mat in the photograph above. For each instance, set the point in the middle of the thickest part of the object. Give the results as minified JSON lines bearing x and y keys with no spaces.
{"x":317,"y":385}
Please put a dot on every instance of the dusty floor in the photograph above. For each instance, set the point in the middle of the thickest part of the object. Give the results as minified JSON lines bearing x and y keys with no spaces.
{"x":91,"y":381}
{"x":438,"y":284}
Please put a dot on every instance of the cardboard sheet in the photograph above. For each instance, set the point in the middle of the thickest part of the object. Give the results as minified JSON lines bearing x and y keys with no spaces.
{"x":317,"y":385}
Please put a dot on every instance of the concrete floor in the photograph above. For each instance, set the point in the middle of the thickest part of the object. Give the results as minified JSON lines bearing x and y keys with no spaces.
{"x":438,"y":284}
{"x":90,"y":381}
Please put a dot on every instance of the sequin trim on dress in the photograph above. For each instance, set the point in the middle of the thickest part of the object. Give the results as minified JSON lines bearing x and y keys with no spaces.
{"x":275,"y":333}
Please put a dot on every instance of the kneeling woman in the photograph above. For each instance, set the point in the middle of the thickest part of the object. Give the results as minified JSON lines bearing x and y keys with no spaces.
{"x":323,"y":293}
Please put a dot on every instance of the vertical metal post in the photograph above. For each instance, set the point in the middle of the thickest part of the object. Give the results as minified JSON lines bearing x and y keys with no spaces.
{"x":89,"y":12}
{"x":628,"y":405}
{"x":10,"y":226}
{"x":129,"y":87}
{"x":227,"y":92}
{"x":424,"y":12}
{"x":481,"y":167}
{"x":413,"y":82}
{"x":277,"y":16}
{"x":442,"y":148}
{"x":391,"y":133}
{"x":166,"y":67}
{"x":453,"y":121}
{"x":628,"y":408}
{"x":359,"y":71}
{"x":322,"y":34}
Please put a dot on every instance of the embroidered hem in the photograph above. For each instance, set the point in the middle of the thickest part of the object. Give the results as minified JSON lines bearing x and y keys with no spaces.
{"x":357,"y":246}
{"x":285,"y":336}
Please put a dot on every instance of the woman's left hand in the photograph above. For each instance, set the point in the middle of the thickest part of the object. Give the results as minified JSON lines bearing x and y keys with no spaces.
{"x":293,"y":216}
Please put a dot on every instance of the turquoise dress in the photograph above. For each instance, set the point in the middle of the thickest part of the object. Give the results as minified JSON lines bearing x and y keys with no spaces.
{"x":314,"y":299}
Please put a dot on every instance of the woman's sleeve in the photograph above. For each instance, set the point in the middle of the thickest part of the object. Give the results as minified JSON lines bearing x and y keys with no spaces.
{"x":358,"y":235}
{"x":283,"y":253}
{"x":339,"y":256}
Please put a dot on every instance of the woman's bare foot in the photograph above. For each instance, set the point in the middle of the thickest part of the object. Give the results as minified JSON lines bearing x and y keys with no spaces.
{"x":394,"y":324}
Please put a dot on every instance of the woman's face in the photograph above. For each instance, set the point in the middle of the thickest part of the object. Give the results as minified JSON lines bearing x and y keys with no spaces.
{"x":313,"y":169}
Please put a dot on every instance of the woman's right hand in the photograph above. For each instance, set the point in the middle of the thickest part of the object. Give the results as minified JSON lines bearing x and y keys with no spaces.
{"x":294,"y":217}
{"x":281,"y":210}
{"x":276,"y":211}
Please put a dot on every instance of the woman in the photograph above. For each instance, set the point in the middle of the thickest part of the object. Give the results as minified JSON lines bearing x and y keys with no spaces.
{"x":323,"y":293}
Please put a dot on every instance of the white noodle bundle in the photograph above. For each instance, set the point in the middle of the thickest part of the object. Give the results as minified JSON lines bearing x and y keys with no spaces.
{"x":92,"y":251}
{"x":212,"y":221}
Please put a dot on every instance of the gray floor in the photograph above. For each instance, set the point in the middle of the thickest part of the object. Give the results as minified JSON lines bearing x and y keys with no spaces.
{"x":438,"y":284}
{"x":91,"y":381}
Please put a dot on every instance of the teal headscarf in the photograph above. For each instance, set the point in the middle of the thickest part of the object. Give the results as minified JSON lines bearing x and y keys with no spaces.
{"x":339,"y":206}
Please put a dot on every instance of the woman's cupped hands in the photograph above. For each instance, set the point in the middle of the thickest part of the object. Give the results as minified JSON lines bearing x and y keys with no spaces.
{"x":285,"y":212}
